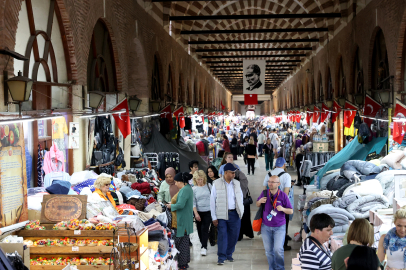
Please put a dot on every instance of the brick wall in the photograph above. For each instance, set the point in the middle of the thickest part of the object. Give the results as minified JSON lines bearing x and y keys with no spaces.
{"x":136,"y":37}
{"x":388,"y":15}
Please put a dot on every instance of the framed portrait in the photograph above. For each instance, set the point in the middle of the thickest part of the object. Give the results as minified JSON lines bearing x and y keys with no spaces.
{"x":73,"y":142}
{"x":254,"y":76}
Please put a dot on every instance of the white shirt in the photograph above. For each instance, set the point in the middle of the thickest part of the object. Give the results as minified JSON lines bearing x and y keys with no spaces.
{"x":395,"y":259}
{"x":285,"y":179}
{"x":261,"y":138}
{"x":230,"y":198}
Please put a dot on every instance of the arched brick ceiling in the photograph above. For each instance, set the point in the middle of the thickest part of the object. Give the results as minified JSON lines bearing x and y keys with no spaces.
{"x":210,"y":54}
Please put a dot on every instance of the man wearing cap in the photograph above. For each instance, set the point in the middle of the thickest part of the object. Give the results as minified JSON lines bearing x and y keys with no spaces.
{"x":227,"y":209}
{"x":285,"y":186}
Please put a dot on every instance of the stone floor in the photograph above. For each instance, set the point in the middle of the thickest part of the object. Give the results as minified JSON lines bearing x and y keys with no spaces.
{"x":249,"y":253}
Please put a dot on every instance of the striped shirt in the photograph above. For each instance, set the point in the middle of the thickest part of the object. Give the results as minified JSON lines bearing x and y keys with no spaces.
{"x":312,"y":257}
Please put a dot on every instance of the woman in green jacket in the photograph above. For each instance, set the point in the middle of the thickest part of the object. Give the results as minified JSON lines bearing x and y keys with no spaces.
{"x":183,"y":206}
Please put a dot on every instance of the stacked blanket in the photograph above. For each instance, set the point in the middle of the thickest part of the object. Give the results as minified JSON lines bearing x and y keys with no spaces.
{"x":341,"y":217}
{"x":360,"y":208}
{"x":358,"y":167}
{"x":346,"y":200}
{"x":326,"y":179}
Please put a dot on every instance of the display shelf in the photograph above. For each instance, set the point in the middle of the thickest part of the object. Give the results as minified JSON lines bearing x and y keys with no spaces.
{"x":60,"y":267}
{"x":68,"y":250}
{"x":65,"y":233}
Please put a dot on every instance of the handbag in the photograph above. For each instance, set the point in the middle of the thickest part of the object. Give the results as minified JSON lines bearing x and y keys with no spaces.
{"x":256,"y":224}
{"x":248,"y":200}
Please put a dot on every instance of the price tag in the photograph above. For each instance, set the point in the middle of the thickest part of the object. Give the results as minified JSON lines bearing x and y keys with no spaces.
{"x":75,"y":248}
{"x":77,"y":232}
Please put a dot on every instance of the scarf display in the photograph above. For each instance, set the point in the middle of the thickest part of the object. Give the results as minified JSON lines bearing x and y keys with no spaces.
{"x":394,"y":242}
{"x":108,"y":198}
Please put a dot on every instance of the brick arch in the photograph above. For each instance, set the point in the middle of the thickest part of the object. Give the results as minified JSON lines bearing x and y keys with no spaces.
{"x":400,"y":57}
{"x":352,"y":77}
{"x":370,"y":53}
{"x":172,"y":72}
{"x":160,"y":69}
{"x":140,"y":75}
{"x":326,"y":83}
{"x":12,"y":9}
{"x":180,"y":90}
{"x":119,"y":76}
{"x":336,"y":84}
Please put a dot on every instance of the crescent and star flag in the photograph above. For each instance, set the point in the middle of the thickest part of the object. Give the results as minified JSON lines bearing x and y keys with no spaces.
{"x":181,"y":119}
{"x":316,"y":114}
{"x":371,"y":108}
{"x":325,"y":112}
{"x":350,"y":114}
{"x":123,"y":119}
{"x":250,"y":99}
{"x":298,"y":117}
{"x":398,"y":127}
{"x":308,"y":116}
{"x":222,"y":106}
{"x":167,"y":113}
{"x":337,"y":108}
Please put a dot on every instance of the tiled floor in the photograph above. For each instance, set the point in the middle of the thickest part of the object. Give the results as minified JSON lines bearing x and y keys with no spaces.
{"x":249,"y":253}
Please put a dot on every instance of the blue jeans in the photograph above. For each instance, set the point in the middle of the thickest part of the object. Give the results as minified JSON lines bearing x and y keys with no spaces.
{"x":260,"y":146}
{"x":274,"y":238}
{"x":227,"y":235}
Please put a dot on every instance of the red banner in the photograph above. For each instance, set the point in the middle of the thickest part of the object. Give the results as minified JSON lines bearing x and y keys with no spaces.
{"x":371,"y":108}
{"x":398,"y":127}
{"x":316,"y":114}
{"x":337,"y":108}
{"x":251,"y":99}
{"x":298,"y":117}
{"x":324,"y":113}
{"x":308,"y":116}
{"x":123,"y":119}
{"x":349,"y":114}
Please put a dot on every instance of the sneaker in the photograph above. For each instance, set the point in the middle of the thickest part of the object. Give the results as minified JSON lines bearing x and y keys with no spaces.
{"x":203,"y":252}
{"x":220,"y":262}
{"x":230,"y":260}
{"x":286,"y":248}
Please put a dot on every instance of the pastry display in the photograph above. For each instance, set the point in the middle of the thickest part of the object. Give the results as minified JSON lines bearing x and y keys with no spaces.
{"x":99,"y":261}
{"x":84,"y":221}
{"x":41,"y":243}
{"x":84,"y":261}
{"x":106,"y":226}
{"x":61,"y":226}
{"x":71,"y":242}
{"x":32,"y":224}
{"x":89,"y":227}
{"x":92,"y":242}
{"x":29,"y":243}
{"x":60,"y":243}
{"x":71,"y":261}
{"x":73,"y":224}
{"x":81,"y":243}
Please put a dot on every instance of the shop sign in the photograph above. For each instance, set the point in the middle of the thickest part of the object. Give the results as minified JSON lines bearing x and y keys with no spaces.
{"x":56,"y":208}
{"x":13,"y":175}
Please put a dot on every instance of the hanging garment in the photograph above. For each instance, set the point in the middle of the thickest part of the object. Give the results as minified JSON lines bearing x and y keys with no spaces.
{"x":164,"y":126}
{"x":59,"y":128}
{"x":40,"y":180}
{"x":53,"y":160}
{"x":61,"y":146}
{"x":188,"y":123}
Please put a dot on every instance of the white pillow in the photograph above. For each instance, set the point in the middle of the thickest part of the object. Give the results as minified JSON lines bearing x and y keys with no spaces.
{"x":394,"y":160}
{"x":365,"y":188}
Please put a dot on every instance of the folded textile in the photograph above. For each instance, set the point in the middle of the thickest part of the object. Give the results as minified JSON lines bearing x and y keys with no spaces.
{"x":339,"y":219}
{"x":341,"y":229}
{"x":365,"y":188}
{"x":360,"y":208}
{"x":162,"y":218}
{"x":144,"y":188}
{"x":149,"y":221}
{"x":321,"y":194}
{"x":358,"y":167}
{"x":157,"y":235}
{"x":145,"y":216}
{"x":155,"y":226}
{"x":386,"y":178}
{"x":329,"y":210}
{"x":149,"y":207}
{"x":312,"y":201}
{"x":326,"y":178}
{"x":126,"y":189}
{"x":337,"y":182}
{"x":346,"y":200}
{"x":343,"y":188}
{"x":323,"y":201}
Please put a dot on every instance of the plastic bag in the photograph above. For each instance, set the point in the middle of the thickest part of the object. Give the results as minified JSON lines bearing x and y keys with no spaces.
{"x":256,"y":163}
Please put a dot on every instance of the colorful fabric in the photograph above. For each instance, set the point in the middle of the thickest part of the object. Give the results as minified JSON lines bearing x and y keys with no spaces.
{"x":394,"y":242}
{"x":40,"y":180}
{"x":108,"y":198}
{"x":54,"y":160}
{"x":59,"y":128}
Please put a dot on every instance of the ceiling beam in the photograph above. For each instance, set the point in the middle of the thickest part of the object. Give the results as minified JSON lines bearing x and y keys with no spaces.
{"x":256,"y":16}
{"x":243,"y":31}
{"x":238,"y":73}
{"x":255,"y":49}
{"x":239,"y":67}
{"x":255,"y":56}
{"x":294,"y":40}
{"x":240,"y":61}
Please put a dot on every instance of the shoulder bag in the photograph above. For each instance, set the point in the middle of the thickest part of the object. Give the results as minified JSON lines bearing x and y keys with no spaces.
{"x":256,"y":224}
{"x":248,"y":200}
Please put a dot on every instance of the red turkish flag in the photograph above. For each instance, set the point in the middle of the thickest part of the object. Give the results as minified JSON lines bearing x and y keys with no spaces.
{"x":371,"y":108}
{"x":123,"y":119}
{"x":298,"y":116}
{"x":325,"y":112}
{"x":250,"y":99}
{"x":179,"y":112}
{"x":222,"y":106}
{"x":350,"y":114}
{"x":398,"y":127}
{"x":316,"y":114}
{"x":337,"y":108}
{"x":308,"y":117}
{"x":167,"y":113}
